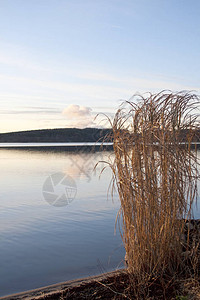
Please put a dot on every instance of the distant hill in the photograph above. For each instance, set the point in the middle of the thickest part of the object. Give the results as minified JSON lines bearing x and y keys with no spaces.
{"x":56,"y":135}
{"x":64,"y":135}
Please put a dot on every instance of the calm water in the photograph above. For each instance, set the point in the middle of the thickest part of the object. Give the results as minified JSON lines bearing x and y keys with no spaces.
{"x":42,"y":244}
{"x":48,"y":241}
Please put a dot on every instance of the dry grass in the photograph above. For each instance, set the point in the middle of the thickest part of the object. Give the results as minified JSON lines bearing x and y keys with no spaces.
{"x":155,"y":171}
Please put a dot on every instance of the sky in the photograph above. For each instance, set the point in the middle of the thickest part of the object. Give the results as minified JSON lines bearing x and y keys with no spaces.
{"x":62,"y":62}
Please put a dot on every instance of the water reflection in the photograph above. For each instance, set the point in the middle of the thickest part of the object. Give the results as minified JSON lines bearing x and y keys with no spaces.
{"x":41,"y":244}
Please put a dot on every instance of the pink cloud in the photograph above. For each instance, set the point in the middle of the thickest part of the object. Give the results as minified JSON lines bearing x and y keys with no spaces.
{"x":74,"y":111}
{"x":78,"y":116}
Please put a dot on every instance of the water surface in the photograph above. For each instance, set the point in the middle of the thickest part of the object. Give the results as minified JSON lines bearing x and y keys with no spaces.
{"x":41,"y":244}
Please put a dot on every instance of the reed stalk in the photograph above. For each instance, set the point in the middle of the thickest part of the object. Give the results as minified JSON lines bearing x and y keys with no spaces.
{"x":155,"y":171}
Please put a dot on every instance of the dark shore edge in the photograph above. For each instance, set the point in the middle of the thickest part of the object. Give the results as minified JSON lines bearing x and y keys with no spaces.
{"x":56,"y":289}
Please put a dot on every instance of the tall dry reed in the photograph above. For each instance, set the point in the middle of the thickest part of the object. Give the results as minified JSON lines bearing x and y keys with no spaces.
{"x":155,"y":170}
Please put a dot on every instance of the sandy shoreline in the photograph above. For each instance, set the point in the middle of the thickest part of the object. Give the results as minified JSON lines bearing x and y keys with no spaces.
{"x":57,"y":288}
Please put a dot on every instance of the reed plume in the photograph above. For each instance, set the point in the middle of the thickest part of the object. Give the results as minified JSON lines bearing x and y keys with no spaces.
{"x":155,"y":171}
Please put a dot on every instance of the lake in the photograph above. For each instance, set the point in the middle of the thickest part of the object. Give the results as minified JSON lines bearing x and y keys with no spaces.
{"x":57,"y":222}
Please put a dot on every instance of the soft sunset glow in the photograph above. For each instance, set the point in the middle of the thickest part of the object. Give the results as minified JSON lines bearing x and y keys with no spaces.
{"x":92,"y":54}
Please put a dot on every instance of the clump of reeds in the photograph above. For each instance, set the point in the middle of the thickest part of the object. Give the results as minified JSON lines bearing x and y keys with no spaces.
{"x":155,"y":170}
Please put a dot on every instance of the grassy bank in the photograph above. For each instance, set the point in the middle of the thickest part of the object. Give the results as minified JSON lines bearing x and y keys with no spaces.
{"x":113,"y":285}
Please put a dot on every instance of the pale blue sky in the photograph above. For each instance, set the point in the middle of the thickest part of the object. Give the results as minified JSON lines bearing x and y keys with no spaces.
{"x":58,"y":55}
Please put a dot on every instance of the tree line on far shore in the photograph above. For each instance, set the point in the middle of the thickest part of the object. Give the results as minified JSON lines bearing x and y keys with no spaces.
{"x":57,"y":135}
{"x":65,"y":135}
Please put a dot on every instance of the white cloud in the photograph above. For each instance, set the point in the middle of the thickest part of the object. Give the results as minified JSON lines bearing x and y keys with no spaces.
{"x":78,"y":116}
{"x":76,"y":111}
